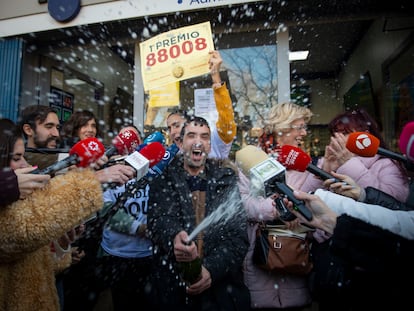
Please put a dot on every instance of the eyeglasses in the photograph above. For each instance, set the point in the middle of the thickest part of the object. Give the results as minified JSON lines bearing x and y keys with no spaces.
{"x":299,"y":127}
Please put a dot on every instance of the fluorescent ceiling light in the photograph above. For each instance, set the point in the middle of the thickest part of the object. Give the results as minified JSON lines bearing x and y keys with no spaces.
{"x":298,"y":55}
{"x":75,"y":81}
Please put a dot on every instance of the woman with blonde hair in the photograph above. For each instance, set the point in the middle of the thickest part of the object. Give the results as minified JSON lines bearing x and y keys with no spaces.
{"x":286,"y":124}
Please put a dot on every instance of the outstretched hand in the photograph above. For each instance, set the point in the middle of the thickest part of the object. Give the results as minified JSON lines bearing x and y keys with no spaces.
{"x":118,"y":173}
{"x":214,"y":62}
{"x":346,"y":186}
{"x":323,"y":217}
{"x":29,"y":182}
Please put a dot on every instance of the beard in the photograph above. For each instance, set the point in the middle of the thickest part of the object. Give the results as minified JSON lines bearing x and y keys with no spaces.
{"x":44,"y":143}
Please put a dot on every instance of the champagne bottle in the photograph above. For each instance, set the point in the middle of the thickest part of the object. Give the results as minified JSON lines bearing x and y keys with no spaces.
{"x":190,"y":271}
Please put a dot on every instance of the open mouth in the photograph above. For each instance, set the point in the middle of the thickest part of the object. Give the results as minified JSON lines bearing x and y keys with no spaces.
{"x":197,"y":153}
{"x":299,"y":141}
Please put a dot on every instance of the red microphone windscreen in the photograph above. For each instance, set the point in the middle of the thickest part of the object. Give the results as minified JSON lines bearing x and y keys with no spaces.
{"x":294,"y":158}
{"x":154,"y":152}
{"x":363,"y":144}
{"x":406,"y":141}
{"x":126,"y":142}
{"x":88,"y":150}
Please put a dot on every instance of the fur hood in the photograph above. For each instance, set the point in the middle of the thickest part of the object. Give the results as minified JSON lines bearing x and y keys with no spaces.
{"x":26,"y":229}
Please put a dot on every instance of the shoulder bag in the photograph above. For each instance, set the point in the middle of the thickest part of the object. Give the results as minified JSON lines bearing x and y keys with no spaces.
{"x":281,"y":250}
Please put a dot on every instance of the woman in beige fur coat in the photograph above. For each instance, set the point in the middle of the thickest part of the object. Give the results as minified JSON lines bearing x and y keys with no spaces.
{"x":27,"y":279}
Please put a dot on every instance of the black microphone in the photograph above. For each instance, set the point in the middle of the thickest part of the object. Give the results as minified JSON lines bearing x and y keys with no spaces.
{"x":47,"y":150}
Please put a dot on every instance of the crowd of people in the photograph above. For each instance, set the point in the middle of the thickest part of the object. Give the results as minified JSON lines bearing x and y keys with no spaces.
{"x":52,"y":257}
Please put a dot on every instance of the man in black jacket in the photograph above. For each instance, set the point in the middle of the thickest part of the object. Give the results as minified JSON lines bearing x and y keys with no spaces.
{"x":191,"y":189}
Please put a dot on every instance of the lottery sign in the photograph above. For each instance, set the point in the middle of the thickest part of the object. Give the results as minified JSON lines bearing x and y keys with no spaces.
{"x":176,"y":55}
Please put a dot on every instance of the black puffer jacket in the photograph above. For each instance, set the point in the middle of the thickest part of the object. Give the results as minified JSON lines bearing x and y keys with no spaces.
{"x":225,"y":244}
{"x":375,"y":196}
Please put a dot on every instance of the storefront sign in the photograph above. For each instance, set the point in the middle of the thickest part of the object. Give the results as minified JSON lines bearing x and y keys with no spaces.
{"x":18,"y":21}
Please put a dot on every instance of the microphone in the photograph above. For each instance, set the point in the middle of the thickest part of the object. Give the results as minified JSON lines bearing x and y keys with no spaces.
{"x":406,"y":141}
{"x":124,"y":143}
{"x":158,"y":168}
{"x":154,"y":171}
{"x":47,"y":150}
{"x":82,"y":154}
{"x":148,"y":156}
{"x":154,"y":137}
{"x":296,"y":159}
{"x":270,"y":174}
{"x":367,"y":145}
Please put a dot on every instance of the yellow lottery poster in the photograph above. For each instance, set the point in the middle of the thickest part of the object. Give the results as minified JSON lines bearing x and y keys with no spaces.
{"x":166,"y":95}
{"x":176,"y":55}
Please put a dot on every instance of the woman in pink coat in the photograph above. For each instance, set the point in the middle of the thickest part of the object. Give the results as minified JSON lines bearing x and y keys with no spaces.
{"x":379,"y":172}
{"x":286,"y":124}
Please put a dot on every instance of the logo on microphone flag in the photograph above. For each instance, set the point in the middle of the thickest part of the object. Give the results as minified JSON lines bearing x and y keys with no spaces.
{"x":363,"y":144}
{"x":363,"y":141}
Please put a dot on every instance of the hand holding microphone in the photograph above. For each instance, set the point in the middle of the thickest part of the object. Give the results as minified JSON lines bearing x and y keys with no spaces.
{"x":147,"y":157}
{"x":28,"y":181}
{"x":117,"y":174}
{"x":323,"y":217}
{"x":137,"y":164}
{"x":346,"y":186}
